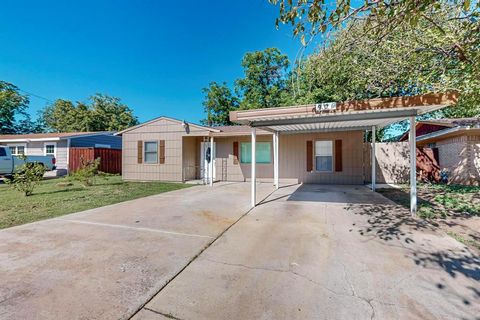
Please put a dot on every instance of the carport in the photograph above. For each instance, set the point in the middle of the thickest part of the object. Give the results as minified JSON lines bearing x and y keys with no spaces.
{"x":358,"y":115}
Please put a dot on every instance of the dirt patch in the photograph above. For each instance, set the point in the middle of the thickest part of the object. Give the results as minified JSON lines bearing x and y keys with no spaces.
{"x":213,"y":218}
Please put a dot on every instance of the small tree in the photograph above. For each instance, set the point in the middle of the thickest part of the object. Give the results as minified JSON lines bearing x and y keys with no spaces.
{"x":27,"y":176}
{"x":87,"y":172}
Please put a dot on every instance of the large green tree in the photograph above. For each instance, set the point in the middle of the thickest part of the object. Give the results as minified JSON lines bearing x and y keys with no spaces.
{"x":12,"y":105}
{"x":218,"y":102}
{"x":100,"y":113}
{"x":401,"y":47}
{"x":264,"y":83}
{"x":110,"y":114}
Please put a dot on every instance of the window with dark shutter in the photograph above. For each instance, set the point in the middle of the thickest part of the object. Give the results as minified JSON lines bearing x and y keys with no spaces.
{"x":139,"y":151}
{"x":161,"y":154}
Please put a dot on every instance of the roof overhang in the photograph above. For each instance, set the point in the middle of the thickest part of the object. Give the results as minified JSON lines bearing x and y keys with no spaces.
{"x":350,"y":115}
{"x":447,"y":133}
{"x":30,"y":140}
{"x":58,"y":138}
{"x":186,"y":123}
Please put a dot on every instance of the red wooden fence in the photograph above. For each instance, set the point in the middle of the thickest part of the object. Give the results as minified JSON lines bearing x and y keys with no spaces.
{"x":110,"y":159}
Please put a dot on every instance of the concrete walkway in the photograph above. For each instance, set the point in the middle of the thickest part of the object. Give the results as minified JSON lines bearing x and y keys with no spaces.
{"x":307,"y":252}
{"x":325,"y":252}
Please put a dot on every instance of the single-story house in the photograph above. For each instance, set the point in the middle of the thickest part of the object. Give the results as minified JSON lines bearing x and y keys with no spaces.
{"x":59,"y":144}
{"x":318,"y":143}
{"x":456,"y":146}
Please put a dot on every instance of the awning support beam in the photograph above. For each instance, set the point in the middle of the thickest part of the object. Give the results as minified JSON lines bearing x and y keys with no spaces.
{"x":374,"y":162}
{"x":212,"y":157}
{"x":275,"y":160}
{"x":253,"y":167}
{"x":413,"y":168}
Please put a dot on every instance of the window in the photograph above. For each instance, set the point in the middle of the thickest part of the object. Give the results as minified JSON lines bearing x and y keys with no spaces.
{"x":17,"y":150}
{"x":151,"y":152}
{"x":3,"y":153}
{"x":262,"y":150}
{"x":324,"y":155}
{"x":49,"y":148}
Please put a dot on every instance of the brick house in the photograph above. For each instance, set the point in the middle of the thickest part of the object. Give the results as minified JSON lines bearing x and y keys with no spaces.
{"x":456,"y":145}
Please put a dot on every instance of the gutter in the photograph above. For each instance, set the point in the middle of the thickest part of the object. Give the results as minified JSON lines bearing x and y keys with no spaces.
{"x":440,"y":133}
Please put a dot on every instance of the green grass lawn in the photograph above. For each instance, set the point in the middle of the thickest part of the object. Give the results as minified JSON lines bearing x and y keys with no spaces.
{"x":56,"y":197}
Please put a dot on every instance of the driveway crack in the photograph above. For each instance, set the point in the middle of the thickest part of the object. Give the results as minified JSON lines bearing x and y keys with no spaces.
{"x":283,"y":271}
{"x":166,"y":315}
{"x":354,"y":293}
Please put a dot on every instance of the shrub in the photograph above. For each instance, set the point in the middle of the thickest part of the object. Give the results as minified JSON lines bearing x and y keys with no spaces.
{"x":27,"y":176}
{"x":87,"y":172}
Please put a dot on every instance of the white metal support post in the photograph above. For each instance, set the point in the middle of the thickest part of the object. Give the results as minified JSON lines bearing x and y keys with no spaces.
{"x":413,"y":168}
{"x":275,"y":160}
{"x":253,"y":165}
{"x":374,"y":160}
{"x":212,"y":156}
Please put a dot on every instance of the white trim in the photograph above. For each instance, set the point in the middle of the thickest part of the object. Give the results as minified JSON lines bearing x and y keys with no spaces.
{"x":212,"y":157}
{"x":24,"y":145}
{"x":440,"y":133}
{"x":145,"y":151}
{"x":315,"y":155}
{"x":253,"y":177}
{"x":413,"y":168}
{"x":30,"y":140}
{"x":374,"y":163}
{"x":275,"y":160}
{"x":54,"y":150}
{"x":91,"y":134}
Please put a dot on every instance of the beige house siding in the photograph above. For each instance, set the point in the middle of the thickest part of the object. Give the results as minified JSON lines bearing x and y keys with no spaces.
{"x":182,"y":155}
{"x":392,"y":162}
{"x":162,"y":129}
{"x":292,"y":159}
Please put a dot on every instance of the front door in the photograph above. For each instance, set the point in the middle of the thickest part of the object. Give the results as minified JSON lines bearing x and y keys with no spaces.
{"x":206,"y":155}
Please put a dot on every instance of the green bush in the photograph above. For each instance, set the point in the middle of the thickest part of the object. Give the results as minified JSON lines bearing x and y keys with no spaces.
{"x":87,"y":172}
{"x":27,"y":176}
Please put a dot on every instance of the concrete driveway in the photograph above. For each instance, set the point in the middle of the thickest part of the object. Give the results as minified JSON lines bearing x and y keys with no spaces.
{"x":325,"y":252}
{"x":107,"y":262}
{"x":307,"y":252}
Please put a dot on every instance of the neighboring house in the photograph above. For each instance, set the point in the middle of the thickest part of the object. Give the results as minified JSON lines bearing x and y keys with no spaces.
{"x":59,"y":144}
{"x":456,"y":146}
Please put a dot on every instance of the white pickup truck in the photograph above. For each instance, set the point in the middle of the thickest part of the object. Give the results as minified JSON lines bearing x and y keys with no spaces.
{"x":9,"y":163}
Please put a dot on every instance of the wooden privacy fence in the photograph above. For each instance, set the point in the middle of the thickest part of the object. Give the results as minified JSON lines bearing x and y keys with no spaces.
{"x":110,"y":159}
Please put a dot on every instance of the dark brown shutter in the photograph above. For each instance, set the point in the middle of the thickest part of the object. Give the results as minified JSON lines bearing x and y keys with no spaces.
{"x":139,"y":151}
{"x":309,"y":156}
{"x":338,"y":155}
{"x":161,"y":151}
{"x":235,"y":152}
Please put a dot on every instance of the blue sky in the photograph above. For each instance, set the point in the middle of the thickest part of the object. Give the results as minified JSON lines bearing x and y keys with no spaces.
{"x":155,"y":55}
